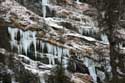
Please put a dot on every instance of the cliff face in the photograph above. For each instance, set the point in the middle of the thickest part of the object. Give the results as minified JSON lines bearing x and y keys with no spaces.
{"x":36,"y":36}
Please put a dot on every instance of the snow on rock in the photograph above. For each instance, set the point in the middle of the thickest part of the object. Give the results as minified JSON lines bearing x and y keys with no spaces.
{"x":54,"y":52}
{"x":35,"y":67}
{"x":81,"y":36}
{"x":53,"y":23}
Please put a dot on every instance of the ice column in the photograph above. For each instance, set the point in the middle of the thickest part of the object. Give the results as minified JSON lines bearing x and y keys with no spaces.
{"x":54,"y":52}
{"x":104,"y":38}
{"x":89,"y":63}
{"x":44,"y":4}
{"x":26,"y":39}
{"x":34,"y":41}
{"x":13,"y":34}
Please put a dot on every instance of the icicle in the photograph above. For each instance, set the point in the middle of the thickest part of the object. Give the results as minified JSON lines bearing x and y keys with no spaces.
{"x":89,"y":63}
{"x":66,"y":52}
{"x":120,"y":45}
{"x":34,"y":41}
{"x":44,"y":4}
{"x":87,"y":30}
{"x":104,"y":38}
{"x":65,"y":62}
{"x":50,"y":48}
{"x":40,"y":43}
{"x":51,"y":59}
{"x":43,"y":47}
{"x":55,"y":51}
{"x":26,"y":39}
{"x":13,"y":33}
{"x":59,"y":50}
{"x":50,"y":54}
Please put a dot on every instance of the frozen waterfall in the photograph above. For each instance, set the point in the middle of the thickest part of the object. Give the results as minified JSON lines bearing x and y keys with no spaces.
{"x":52,"y":52}
{"x":26,"y":39}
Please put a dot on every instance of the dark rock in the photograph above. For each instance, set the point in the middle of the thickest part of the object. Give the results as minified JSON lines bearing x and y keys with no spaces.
{"x":76,"y":65}
{"x":4,"y":37}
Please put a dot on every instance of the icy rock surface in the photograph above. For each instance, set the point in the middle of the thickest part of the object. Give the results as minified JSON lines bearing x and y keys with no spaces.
{"x":69,"y":32}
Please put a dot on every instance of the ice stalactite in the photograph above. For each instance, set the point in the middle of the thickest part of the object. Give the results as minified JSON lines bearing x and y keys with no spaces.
{"x":104,"y":38}
{"x":51,"y":59}
{"x":88,"y":31}
{"x":44,"y":4}
{"x":13,"y":33}
{"x":34,"y":42}
{"x":54,"y":52}
{"x":77,"y":1}
{"x":90,"y":64}
{"x":36,"y":68}
{"x":65,"y":62}
{"x":26,"y":39}
{"x":88,"y":26}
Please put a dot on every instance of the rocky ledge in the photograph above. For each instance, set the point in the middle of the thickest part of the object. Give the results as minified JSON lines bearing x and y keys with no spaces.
{"x":35,"y":38}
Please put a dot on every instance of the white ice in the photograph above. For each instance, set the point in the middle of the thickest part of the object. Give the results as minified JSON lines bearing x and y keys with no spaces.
{"x":44,"y":4}
{"x":54,"y":52}
{"x":53,"y":23}
{"x":90,"y":64}
{"x":104,"y":38}
{"x":26,"y":39}
{"x":13,"y":34}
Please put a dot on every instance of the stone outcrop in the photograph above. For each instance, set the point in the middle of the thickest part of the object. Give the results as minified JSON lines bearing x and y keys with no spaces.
{"x":39,"y":43}
{"x":81,"y":78}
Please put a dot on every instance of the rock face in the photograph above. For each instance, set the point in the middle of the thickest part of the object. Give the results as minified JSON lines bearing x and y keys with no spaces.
{"x":36,"y":36}
{"x":81,"y":78}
